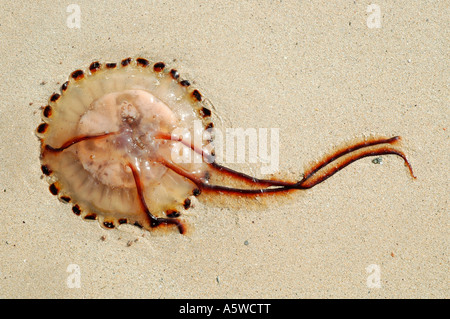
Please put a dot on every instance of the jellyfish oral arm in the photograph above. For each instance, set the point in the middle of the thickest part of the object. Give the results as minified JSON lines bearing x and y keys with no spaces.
{"x":317,"y":174}
{"x":153,"y":220}
{"x":78,"y":139}
{"x":322,"y":172}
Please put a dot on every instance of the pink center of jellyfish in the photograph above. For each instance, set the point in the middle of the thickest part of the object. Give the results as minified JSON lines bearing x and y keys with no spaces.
{"x":136,"y":118}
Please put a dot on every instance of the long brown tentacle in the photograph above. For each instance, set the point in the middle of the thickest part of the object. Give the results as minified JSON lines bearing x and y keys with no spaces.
{"x":310,"y":179}
{"x":209,"y":158}
{"x":76,"y":140}
{"x":327,"y":160}
{"x":205,"y":186}
{"x":315,"y":175}
{"x":335,"y":156}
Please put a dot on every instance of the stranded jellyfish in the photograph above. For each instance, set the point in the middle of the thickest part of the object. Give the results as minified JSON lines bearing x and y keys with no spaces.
{"x":111,"y":141}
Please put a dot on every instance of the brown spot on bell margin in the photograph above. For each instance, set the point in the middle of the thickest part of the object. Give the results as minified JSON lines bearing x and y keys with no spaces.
{"x":158,"y":67}
{"x":54,"y":97}
{"x":76,"y":209}
{"x":42,"y":128}
{"x":94,"y":66}
{"x":64,"y":86}
{"x":196,"y":192}
{"x":54,"y":189}
{"x":77,"y":75}
{"x":111,"y":65}
{"x":122,"y":221}
{"x":187,"y":203}
{"x":126,"y":61}
{"x":108,"y":225}
{"x":47,"y":111}
{"x":196,"y":94}
{"x":174,"y":74}
{"x":142,"y":62}
{"x":47,"y":171}
{"x":206,"y":112}
{"x":65,"y":199}
{"x":91,"y":216}
{"x":173,"y":214}
{"x":185,"y":83}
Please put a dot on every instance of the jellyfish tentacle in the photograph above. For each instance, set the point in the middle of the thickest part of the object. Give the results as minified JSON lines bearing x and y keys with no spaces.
{"x":316,"y":175}
{"x":347,"y":150}
{"x":221,"y":168}
{"x":153,"y":220}
{"x":76,"y":140}
{"x":248,"y":178}
{"x":310,"y":179}
{"x":325,"y":162}
{"x":219,"y":188}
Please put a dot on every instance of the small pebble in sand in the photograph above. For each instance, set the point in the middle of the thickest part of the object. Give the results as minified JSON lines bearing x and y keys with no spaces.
{"x":131,"y":242}
{"x":377,"y":160}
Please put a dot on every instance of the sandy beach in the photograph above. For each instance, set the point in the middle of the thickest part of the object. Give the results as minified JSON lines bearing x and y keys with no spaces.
{"x":323,"y":75}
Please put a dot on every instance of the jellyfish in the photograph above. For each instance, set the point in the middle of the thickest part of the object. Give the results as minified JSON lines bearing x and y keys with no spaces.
{"x":121,"y":143}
